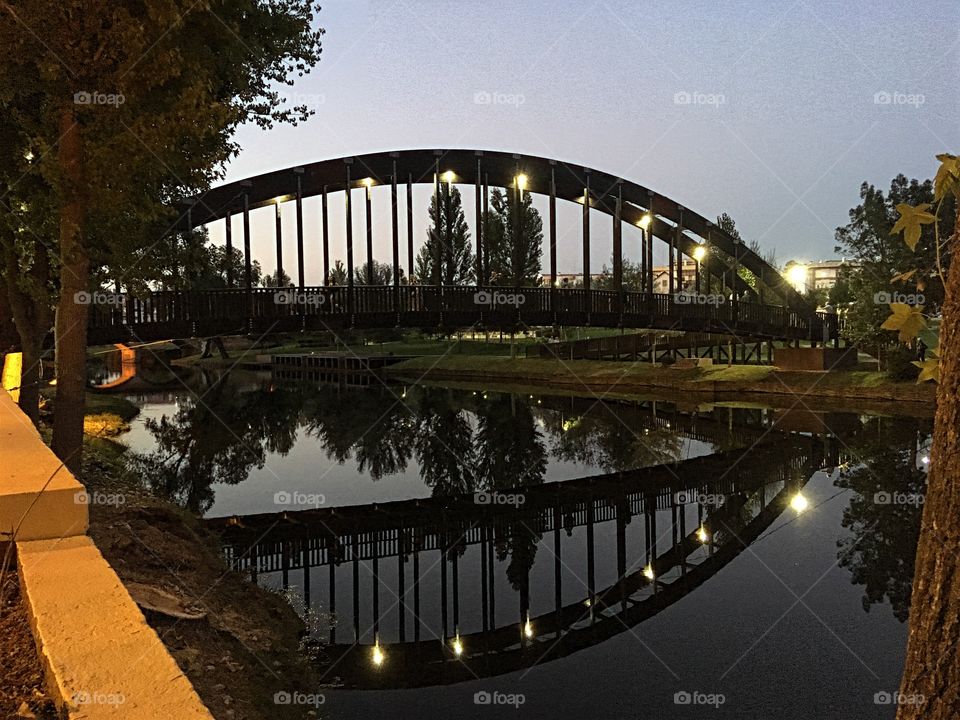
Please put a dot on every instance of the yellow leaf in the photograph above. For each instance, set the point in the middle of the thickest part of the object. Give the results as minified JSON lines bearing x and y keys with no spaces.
{"x":907,"y":319}
{"x":910,"y":222}
{"x":902,"y":277}
{"x":948,"y":176}
{"x":929,"y":370}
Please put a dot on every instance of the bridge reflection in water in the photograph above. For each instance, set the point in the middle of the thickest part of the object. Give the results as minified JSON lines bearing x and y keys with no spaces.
{"x":415,"y":588}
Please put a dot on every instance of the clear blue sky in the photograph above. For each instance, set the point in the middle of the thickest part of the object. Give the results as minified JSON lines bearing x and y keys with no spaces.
{"x":784,"y":150}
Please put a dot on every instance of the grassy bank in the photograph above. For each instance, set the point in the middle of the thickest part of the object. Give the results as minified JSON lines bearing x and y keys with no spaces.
{"x":625,"y":377}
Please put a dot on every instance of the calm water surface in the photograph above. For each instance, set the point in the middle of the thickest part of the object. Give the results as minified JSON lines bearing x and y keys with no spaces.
{"x":586,"y":557}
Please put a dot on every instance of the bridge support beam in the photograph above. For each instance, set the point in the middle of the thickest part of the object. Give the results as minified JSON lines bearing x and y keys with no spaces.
{"x":479,"y":222}
{"x":228,"y":227}
{"x":301,"y":283}
{"x":367,"y":212}
{"x":618,"y":248}
{"x":586,"y":241}
{"x":409,"y":228}
{"x":325,"y":236}
{"x":279,"y":236}
{"x":349,"y":218}
{"x":395,"y":238}
{"x":553,"y":229}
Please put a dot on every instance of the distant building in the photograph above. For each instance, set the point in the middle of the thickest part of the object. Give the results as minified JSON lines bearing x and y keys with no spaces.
{"x":820,"y":275}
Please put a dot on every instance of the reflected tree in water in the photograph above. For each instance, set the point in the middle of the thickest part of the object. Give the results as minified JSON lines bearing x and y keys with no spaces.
{"x":216,"y":437}
{"x":510,"y":450}
{"x":443,"y":442}
{"x":885,"y":511}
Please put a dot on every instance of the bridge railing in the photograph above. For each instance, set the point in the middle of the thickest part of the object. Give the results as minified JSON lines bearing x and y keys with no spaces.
{"x":535,"y":305}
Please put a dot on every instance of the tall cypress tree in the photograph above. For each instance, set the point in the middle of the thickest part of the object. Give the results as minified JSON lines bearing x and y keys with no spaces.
{"x":514,"y":258}
{"x":449,"y":229}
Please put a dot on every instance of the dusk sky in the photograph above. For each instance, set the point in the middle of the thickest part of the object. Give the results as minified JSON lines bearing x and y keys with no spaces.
{"x":785,"y":122}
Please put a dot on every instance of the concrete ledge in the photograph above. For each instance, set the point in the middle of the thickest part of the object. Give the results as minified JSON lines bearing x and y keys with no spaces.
{"x":101,"y":658}
{"x":27,"y":464}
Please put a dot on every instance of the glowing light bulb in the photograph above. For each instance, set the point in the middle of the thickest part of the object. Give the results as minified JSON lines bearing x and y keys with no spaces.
{"x":645,"y":221}
{"x":368,"y":182}
{"x":799,"y":503}
{"x":378,"y":656}
{"x":648,"y":572}
{"x":522,"y":181}
{"x":528,"y":629}
{"x":699,"y":253}
{"x":457,"y":646}
{"x":925,"y":460}
{"x":702,"y":535}
{"x":449,"y":177}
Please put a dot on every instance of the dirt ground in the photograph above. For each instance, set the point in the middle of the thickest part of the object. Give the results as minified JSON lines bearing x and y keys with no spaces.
{"x":22,"y":691}
{"x":247,"y":645}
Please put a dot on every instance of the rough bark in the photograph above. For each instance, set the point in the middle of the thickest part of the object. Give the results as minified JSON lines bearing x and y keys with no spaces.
{"x":31,"y":317}
{"x":70,"y":328}
{"x":932,"y":669}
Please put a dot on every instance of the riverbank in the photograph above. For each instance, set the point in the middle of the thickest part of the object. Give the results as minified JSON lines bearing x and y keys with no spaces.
{"x":704,"y":384}
{"x":238,"y":644}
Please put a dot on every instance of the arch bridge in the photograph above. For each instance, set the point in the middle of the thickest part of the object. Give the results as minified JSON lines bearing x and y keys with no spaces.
{"x":716,"y":299}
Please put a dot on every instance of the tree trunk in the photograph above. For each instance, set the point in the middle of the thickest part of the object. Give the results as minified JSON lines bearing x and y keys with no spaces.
{"x":932,"y":672}
{"x":31,"y":318}
{"x":71,"y":322}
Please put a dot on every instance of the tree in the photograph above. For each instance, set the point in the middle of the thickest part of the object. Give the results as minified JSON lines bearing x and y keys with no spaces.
{"x":135,"y":112}
{"x":886,"y":265}
{"x":932,"y":668}
{"x":382,"y":274}
{"x":514,"y":260}
{"x":449,"y":230}
{"x":277,"y":279}
{"x":338,"y":274}
{"x":27,"y":235}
